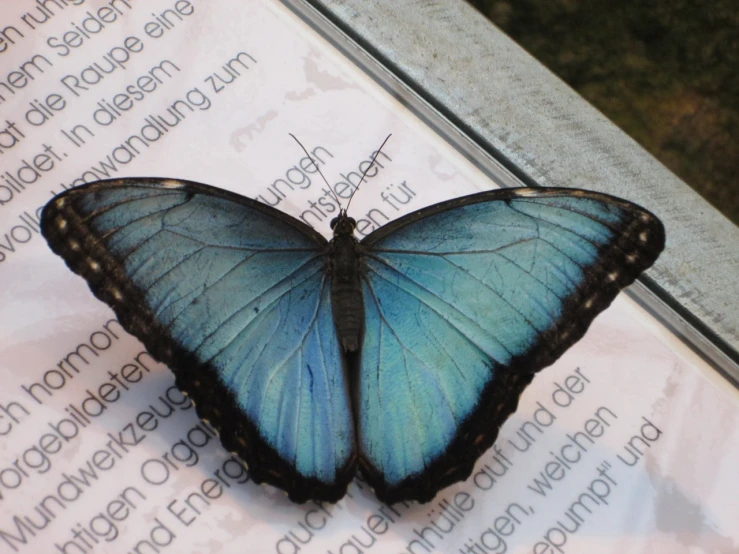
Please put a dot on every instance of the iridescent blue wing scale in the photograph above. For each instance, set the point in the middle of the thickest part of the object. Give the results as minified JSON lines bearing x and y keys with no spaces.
{"x":234,"y":297}
{"x":464,"y":302}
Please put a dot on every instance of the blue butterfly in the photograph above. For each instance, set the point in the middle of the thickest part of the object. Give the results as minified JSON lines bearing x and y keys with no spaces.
{"x":399,"y":355}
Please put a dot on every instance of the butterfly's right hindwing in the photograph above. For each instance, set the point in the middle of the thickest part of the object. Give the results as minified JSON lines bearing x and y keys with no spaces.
{"x":234,"y":296}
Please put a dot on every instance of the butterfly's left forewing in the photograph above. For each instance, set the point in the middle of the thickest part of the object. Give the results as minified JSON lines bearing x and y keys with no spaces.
{"x":464,"y":302}
{"x":233,"y":295}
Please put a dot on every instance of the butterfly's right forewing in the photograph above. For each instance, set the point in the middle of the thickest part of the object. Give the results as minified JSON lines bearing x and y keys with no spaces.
{"x":234,"y":296}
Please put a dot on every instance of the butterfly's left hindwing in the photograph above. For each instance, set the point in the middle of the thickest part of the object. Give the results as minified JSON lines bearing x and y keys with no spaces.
{"x":464,"y":302}
{"x":233,"y":295}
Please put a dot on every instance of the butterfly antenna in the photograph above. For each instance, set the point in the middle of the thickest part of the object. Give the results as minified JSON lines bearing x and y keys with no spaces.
{"x":366,"y":170}
{"x":319,"y":171}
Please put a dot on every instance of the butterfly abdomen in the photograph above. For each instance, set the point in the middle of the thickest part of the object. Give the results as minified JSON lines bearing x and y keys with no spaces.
{"x":346,"y":292}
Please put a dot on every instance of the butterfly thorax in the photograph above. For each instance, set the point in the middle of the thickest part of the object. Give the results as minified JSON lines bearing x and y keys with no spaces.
{"x":346,"y":291}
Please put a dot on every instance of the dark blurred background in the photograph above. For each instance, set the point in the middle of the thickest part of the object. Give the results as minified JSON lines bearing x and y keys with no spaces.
{"x":665,"y":71}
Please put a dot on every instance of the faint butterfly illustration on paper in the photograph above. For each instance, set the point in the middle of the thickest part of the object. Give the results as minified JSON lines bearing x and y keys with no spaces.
{"x":399,"y":356}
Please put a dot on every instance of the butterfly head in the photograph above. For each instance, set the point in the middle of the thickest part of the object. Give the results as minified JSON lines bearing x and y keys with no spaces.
{"x":343,"y":225}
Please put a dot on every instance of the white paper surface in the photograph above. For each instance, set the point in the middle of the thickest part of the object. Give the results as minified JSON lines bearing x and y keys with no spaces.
{"x":624,"y":445}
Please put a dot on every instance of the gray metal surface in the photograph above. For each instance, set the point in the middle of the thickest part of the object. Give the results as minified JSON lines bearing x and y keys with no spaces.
{"x":516,"y":110}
